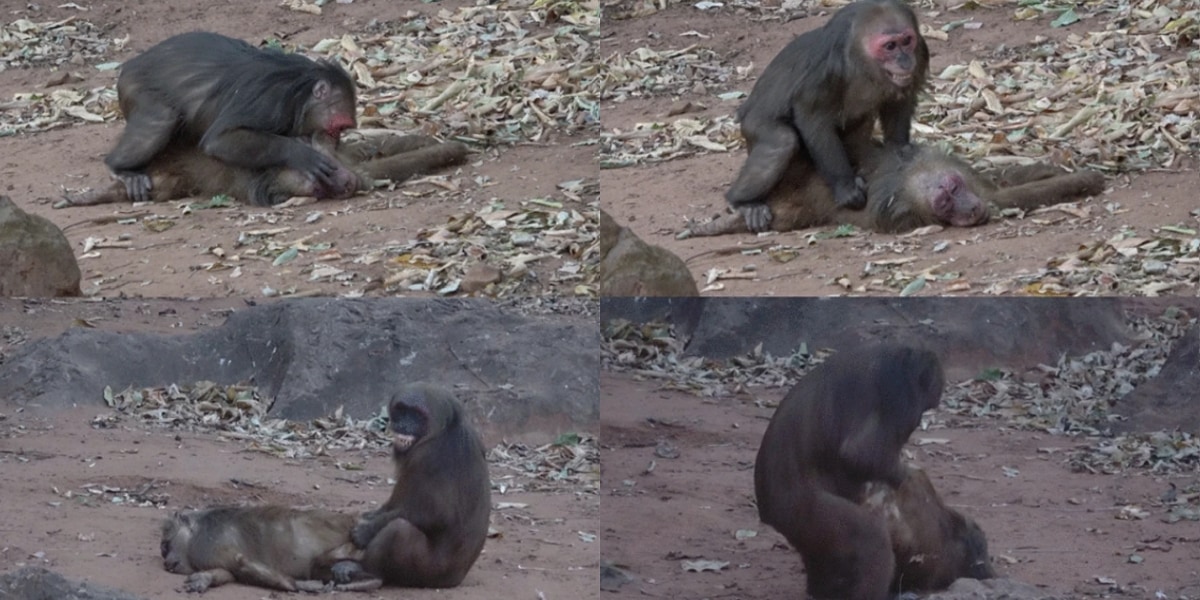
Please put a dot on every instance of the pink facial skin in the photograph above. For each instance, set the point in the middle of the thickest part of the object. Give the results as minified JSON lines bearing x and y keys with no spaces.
{"x":953,"y":202}
{"x":895,"y":52}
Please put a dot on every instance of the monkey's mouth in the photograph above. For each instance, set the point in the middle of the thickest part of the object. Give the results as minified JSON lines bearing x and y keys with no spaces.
{"x":901,"y":79}
{"x":403,"y":442}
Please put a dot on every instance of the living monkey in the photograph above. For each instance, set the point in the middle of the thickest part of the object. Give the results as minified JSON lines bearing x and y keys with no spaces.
{"x":186,"y":171}
{"x":826,"y":87}
{"x":268,"y":546}
{"x":841,"y":426}
{"x":238,"y":104}
{"x":432,"y":529}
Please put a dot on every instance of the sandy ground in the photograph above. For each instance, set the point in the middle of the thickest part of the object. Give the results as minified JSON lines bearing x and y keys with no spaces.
{"x":656,"y":200}
{"x":87,"y":503}
{"x":177,"y":262}
{"x":1046,"y":525}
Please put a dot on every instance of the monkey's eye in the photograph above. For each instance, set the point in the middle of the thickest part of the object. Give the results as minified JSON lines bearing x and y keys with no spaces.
{"x":907,"y":41}
{"x":890,"y":46}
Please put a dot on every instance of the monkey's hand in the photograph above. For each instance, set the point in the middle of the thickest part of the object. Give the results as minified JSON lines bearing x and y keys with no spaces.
{"x":757,"y":216}
{"x":137,"y":185}
{"x":317,"y":166}
{"x":366,"y":529}
{"x":198,"y":582}
{"x":850,"y":193}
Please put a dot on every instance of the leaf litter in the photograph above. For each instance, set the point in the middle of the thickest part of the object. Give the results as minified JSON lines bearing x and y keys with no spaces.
{"x":238,"y":413}
{"x":1076,"y":397}
{"x":1117,"y":92}
{"x":517,"y":72}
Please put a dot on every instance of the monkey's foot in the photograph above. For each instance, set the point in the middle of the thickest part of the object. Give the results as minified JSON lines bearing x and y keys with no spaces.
{"x":366,"y":585}
{"x":313,"y":586}
{"x":198,"y":582}
{"x":757,"y":216}
{"x":137,"y":185}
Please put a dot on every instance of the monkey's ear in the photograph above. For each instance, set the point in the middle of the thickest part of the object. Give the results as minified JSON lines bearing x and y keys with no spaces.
{"x":321,"y":89}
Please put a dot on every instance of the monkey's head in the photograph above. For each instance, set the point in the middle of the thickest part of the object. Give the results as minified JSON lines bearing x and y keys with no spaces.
{"x":332,"y":107}
{"x":950,"y":195}
{"x":888,"y":36}
{"x":177,"y":531}
{"x":419,"y":412}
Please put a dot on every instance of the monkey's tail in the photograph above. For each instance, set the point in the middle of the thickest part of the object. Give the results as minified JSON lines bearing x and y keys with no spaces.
{"x":726,"y":223}
{"x":1045,"y":192}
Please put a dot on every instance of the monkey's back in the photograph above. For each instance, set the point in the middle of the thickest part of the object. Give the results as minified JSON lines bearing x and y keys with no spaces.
{"x":286,"y":538}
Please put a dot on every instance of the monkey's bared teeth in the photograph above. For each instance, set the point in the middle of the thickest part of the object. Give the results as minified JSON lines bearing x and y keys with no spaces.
{"x":402,"y":442}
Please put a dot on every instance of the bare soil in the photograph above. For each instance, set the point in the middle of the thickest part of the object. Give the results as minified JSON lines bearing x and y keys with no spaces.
{"x":1070,"y":533}
{"x":178,"y":262}
{"x":656,"y":200}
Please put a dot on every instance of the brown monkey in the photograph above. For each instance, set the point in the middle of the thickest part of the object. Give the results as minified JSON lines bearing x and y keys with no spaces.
{"x":933,"y":544}
{"x":184,"y":172}
{"x":432,"y":528}
{"x":631,"y":267}
{"x":269,"y":546}
{"x":909,"y":188}
{"x":830,"y":84}
{"x":241,"y":105}
{"x":841,"y":426}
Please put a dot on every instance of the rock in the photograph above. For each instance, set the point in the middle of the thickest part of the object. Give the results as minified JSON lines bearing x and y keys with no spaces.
{"x":35,"y":257}
{"x":631,"y":267}
{"x":36,"y":583}
{"x":992,"y":589}
{"x":478,"y":276}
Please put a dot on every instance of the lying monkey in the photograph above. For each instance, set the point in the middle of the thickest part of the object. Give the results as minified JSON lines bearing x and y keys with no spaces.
{"x":910,"y":188}
{"x":186,"y":171}
{"x":934,"y":545}
{"x":268,"y":546}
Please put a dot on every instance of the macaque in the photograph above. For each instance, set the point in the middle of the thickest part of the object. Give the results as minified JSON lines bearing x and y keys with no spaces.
{"x":841,"y":427}
{"x":911,"y":188}
{"x":243,"y":106}
{"x":933,"y":544}
{"x":186,"y":172}
{"x":432,"y":529}
{"x":275,"y":547}
{"x":824,"y":90}
{"x":631,"y":267}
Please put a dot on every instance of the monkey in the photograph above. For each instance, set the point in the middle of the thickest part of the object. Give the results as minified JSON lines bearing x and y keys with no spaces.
{"x":241,"y":105}
{"x":184,"y":172}
{"x":269,"y":546}
{"x":826,"y":87}
{"x":933,"y":545}
{"x":841,"y":426}
{"x":432,"y":529}
{"x":910,"y":188}
{"x":631,"y":267}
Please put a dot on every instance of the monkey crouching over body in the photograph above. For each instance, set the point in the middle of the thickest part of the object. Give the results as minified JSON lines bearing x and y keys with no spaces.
{"x":910,"y":188}
{"x":838,"y":431}
{"x":824,"y":91}
{"x":268,"y":546}
{"x":432,"y":529}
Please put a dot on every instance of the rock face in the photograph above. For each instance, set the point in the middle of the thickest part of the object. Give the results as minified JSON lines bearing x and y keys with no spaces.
{"x":36,"y":583}
{"x":35,"y":257}
{"x":313,"y":355}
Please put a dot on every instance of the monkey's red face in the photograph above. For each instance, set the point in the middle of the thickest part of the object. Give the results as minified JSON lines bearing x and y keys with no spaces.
{"x":896,"y":53}
{"x":955,"y":203}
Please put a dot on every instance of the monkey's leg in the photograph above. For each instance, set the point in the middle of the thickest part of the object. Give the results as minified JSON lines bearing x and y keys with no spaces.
{"x":106,"y":195}
{"x":148,"y":130}
{"x":775,"y":144}
{"x":726,"y":223}
{"x":402,"y":166}
{"x":255,"y":573}
{"x":402,"y":554}
{"x":1045,"y":192}
{"x":846,"y":550}
{"x":200,"y":581}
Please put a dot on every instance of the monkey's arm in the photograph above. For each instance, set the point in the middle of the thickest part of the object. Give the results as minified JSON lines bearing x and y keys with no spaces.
{"x":401,"y":166}
{"x":896,"y":120}
{"x":820,"y":136}
{"x":200,"y":581}
{"x":867,"y":454}
{"x":261,"y":150}
{"x":256,"y":573}
{"x":369,"y":524}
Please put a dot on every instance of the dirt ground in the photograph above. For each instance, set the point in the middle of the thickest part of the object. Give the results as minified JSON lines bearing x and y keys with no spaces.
{"x":179,"y":261}
{"x":87,"y":503}
{"x":657,"y":199}
{"x":1047,"y":526}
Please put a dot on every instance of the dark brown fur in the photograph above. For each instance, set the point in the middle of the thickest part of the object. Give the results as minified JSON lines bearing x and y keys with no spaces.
{"x":911,"y":188}
{"x":841,"y":426}
{"x":826,"y":89}
{"x":268,"y":546}
{"x":244,"y":106}
{"x":186,"y":172}
{"x":631,"y":267}
{"x":933,"y":544}
{"x":432,"y":528}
